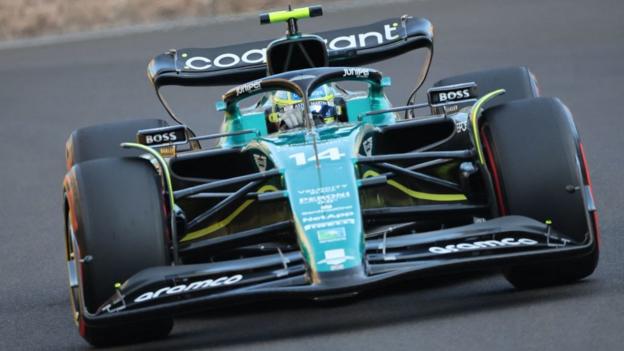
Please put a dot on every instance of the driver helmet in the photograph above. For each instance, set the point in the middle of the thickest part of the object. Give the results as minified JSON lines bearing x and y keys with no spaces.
{"x":287,"y":108}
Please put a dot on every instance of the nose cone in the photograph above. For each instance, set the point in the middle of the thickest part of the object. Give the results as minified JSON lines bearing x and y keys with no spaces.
{"x":326,"y":208}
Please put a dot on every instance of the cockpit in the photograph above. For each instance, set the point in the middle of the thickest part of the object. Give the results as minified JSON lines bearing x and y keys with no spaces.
{"x":308,"y":97}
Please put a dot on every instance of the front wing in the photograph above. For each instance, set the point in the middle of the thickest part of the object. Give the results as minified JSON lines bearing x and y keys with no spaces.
{"x":492,"y":244}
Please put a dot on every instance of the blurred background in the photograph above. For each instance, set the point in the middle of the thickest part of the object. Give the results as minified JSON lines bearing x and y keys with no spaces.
{"x":32,"y":18}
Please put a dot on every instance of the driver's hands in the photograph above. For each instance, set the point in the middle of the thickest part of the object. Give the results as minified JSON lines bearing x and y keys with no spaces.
{"x":292,"y":118}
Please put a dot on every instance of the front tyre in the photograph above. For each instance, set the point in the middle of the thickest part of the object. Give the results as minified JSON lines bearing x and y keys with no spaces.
{"x":541,"y":173}
{"x":115,"y":227}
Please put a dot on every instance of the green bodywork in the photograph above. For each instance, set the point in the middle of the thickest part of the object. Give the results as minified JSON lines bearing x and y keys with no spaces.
{"x":324,"y":198}
{"x":320,"y":177}
{"x":322,"y":185}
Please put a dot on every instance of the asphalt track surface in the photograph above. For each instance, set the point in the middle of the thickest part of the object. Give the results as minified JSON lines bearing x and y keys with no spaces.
{"x":574,"y":47}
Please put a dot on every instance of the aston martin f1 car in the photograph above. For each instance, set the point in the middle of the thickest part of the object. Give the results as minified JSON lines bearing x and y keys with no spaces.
{"x":298,"y":201}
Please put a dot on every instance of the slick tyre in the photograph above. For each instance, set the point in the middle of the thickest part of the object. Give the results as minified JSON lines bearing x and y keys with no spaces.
{"x":101,"y":141}
{"x":518,"y":82}
{"x":115,"y":227}
{"x":540,"y":172}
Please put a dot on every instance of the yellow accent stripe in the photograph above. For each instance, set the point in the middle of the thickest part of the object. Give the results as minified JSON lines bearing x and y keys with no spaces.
{"x":475,"y":112}
{"x":418,"y":194}
{"x":227,"y":220}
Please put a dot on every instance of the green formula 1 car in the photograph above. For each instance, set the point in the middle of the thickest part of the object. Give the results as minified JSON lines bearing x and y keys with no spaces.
{"x":316,"y":190}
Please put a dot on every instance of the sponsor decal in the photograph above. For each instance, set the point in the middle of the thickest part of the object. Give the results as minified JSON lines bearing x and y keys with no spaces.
{"x":326,"y":217}
{"x":461,"y":126}
{"x":452,"y":93}
{"x":183,"y":288}
{"x":248,"y":87}
{"x":110,"y":309}
{"x":322,"y":190}
{"x":356,"y":72}
{"x":257,"y":56}
{"x":326,"y":208}
{"x":485,"y":244}
{"x":331,"y":235}
{"x":325,"y":198}
{"x":335,"y":257}
{"x":159,"y":138}
{"x":225,"y":60}
{"x":329,"y":224}
{"x":162,"y":136}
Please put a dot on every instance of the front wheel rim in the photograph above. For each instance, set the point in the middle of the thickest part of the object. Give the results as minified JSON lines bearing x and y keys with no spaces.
{"x":73,"y":258}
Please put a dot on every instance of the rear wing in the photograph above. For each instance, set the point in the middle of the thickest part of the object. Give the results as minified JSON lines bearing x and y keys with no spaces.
{"x":237,"y":64}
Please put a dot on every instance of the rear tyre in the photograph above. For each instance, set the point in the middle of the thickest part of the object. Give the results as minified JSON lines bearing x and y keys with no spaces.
{"x":103,"y":140}
{"x":115,"y":227}
{"x":518,"y":82}
{"x":535,"y":148}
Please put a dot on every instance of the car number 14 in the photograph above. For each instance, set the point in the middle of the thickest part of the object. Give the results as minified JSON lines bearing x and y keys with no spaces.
{"x":333,"y":153}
